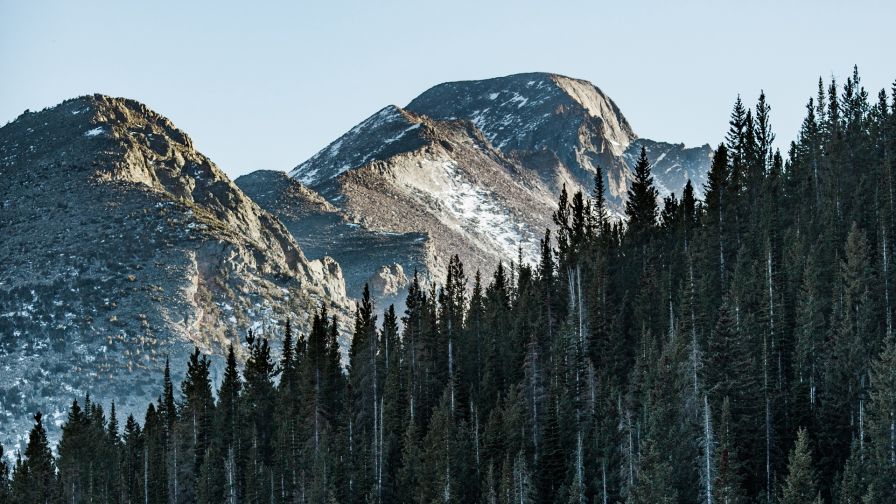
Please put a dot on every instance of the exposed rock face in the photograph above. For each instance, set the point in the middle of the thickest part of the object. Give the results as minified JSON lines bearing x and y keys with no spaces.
{"x":388,"y":281}
{"x":323,"y":230}
{"x":476,"y":166}
{"x":535,"y":115}
{"x":121,"y":245}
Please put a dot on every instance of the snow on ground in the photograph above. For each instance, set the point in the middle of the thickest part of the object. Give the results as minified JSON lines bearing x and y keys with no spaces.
{"x":400,"y":134}
{"x":478,"y":212}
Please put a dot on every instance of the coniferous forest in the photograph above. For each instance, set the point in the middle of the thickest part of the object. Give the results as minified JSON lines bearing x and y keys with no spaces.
{"x":734,"y":349}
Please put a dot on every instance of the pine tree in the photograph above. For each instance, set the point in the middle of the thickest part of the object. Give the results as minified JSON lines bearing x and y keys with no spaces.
{"x":133,"y":460}
{"x":211,"y":477}
{"x":228,"y":423}
{"x":4,"y":477}
{"x":167,"y":407}
{"x":410,"y":475}
{"x":74,"y":454}
{"x":366,"y":389}
{"x":717,"y":208}
{"x":154,"y":467}
{"x":852,"y":484}
{"x":882,"y":423}
{"x":727,"y":484}
{"x":641,"y":208}
{"x":197,"y":409}
{"x":34,"y":477}
{"x":734,"y":139}
{"x":522,"y":490}
{"x":288,"y":364}
{"x":800,"y":486}
{"x":599,"y":203}
{"x":764,"y":136}
{"x":393,"y":407}
{"x":258,"y":400}
{"x":654,"y":483}
{"x":848,"y":358}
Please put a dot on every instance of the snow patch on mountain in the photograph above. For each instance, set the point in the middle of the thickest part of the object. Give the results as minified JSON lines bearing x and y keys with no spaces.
{"x":479,"y":212}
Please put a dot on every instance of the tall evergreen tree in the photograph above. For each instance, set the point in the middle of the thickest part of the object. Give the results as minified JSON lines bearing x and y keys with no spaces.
{"x":800,"y":487}
{"x":641,"y":208}
{"x":34,"y":477}
{"x":881,"y":429}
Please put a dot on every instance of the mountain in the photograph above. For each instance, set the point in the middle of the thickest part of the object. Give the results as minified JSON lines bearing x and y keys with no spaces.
{"x":384,"y":260}
{"x":403,"y":172}
{"x":122,"y":245}
{"x":476,"y":166}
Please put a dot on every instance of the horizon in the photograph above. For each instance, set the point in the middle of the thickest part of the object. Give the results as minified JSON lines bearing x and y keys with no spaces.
{"x":269,"y":88}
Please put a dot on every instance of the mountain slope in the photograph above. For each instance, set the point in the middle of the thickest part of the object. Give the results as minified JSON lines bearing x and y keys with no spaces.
{"x":384,"y":260}
{"x":477,"y":165}
{"x":123,"y":244}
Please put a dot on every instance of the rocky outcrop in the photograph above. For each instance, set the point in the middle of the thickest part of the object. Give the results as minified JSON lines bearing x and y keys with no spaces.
{"x":389,"y":281}
{"x":323,"y":230}
{"x":123,"y":245}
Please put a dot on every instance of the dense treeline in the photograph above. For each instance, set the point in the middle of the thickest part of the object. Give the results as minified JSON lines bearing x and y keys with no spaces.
{"x":731,"y":350}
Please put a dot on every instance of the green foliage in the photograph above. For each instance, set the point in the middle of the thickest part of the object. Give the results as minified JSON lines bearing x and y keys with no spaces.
{"x":800,"y":487}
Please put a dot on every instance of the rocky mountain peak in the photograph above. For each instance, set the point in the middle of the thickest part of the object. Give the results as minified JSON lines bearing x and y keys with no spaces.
{"x":519,"y":112}
{"x":476,"y":166}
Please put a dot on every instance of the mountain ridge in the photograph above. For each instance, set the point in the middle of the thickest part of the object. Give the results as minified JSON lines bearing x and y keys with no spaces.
{"x":505,"y":146}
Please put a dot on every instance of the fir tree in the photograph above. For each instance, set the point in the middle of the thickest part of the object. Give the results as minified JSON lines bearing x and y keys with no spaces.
{"x":641,"y":206}
{"x":800,"y":486}
{"x":34,"y":477}
{"x":654,"y":483}
{"x":881,"y":422}
{"x":4,"y":477}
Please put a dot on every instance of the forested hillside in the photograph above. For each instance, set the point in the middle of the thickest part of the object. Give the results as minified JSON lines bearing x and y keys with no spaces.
{"x":732,"y":350}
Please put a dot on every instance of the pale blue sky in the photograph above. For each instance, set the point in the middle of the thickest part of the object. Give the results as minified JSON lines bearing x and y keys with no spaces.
{"x":267,"y":84}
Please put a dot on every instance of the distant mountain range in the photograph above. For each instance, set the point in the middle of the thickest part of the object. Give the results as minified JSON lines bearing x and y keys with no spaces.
{"x":123,"y":245}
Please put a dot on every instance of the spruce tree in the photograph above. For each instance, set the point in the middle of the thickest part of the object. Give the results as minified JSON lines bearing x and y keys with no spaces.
{"x":641,"y":208}
{"x":34,"y":477}
{"x":599,"y":203}
{"x":365,"y":389}
{"x":800,"y":486}
{"x":132,"y":462}
{"x":194,"y":425}
{"x":4,"y":477}
{"x":259,"y":401}
{"x":654,"y":483}
{"x":881,"y":420}
{"x":74,"y":447}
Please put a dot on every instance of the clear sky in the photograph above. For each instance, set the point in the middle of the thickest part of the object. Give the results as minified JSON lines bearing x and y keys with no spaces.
{"x":267,"y":84}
